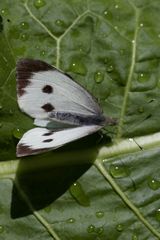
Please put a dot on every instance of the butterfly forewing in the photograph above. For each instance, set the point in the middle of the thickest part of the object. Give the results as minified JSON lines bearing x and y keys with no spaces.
{"x":42,"y":89}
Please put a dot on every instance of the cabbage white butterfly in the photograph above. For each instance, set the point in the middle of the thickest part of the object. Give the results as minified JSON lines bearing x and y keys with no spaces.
{"x":63,"y":110}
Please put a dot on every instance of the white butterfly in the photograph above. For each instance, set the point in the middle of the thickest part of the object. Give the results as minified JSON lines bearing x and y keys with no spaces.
{"x":54,"y":99}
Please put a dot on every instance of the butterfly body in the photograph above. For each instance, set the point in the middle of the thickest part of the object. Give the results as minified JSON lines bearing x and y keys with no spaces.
{"x":63,"y":109}
{"x":78,"y":119}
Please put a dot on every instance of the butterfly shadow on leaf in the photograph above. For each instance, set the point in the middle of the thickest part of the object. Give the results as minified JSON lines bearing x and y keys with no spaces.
{"x":42,"y":179}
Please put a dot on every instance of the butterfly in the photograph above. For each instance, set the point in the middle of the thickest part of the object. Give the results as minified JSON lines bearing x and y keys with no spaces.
{"x":63,"y":110}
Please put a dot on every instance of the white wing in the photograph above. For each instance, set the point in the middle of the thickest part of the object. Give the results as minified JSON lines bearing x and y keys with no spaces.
{"x":42,"y":88}
{"x":40,"y":140}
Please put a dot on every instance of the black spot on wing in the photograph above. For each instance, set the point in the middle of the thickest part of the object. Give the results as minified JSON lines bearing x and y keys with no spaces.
{"x":48,"y":133}
{"x":25,"y":68}
{"x":47,"y":140}
{"x":48,"y":107}
{"x":47,"y":89}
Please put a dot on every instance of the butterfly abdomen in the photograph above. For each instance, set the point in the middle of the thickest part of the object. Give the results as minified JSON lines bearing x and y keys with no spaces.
{"x":78,"y":119}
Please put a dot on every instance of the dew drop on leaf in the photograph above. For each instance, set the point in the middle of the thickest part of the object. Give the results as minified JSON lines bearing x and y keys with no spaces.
{"x":42,"y":53}
{"x":115,"y":27}
{"x":11,"y":112}
{"x":107,"y":14}
{"x":133,"y":41}
{"x":70,"y":220}
{"x":105,"y":60}
{"x":17,"y":133}
{"x":99,"y":214}
{"x":98,"y":77}
{"x":118,"y":171}
{"x":119,"y":227}
{"x":1,"y":229}
{"x":134,"y":237}
{"x":158,"y":215}
{"x":39,"y":3}
{"x":24,"y":37}
{"x":4,"y":11}
{"x":142,"y":77}
{"x":24,"y":25}
{"x":141,"y":109}
{"x":141,"y":24}
{"x":99,"y":230}
{"x":77,"y":67}
{"x":116,"y":6}
{"x":110,"y":68}
{"x":59,"y":22}
{"x":79,"y":195}
{"x":153,"y":183}
{"x":90,"y":228}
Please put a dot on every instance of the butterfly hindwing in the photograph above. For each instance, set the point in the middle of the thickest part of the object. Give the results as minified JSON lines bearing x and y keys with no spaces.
{"x":38,"y":140}
{"x":42,"y":89}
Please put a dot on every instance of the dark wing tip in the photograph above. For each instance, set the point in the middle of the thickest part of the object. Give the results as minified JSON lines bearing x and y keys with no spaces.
{"x":31,"y":65}
{"x":25,"y":67}
{"x":25,"y":150}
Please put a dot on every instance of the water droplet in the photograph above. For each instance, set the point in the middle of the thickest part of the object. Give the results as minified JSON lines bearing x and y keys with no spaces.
{"x":42,"y":53}
{"x":105,"y":60}
{"x":78,"y":193}
{"x":17,"y":133}
{"x":77,"y":67}
{"x":59,"y":23}
{"x":24,"y":37}
{"x":71,"y":220}
{"x":118,"y":171}
{"x":24,"y":25}
{"x":133,"y":41}
{"x":99,"y":214}
{"x":119,"y":227}
{"x":158,"y":215}
{"x":1,"y":229}
{"x":110,"y":69}
{"x":141,"y":24}
{"x":115,"y":27}
{"x":107,"y":14}
{"x":134,"y":237}
{"x":99,"y":230}
{"x":99,"y":77}
{"x":39,"y":3}
{"x":116,"y":6}
{"x":131,"y":139}
{"x":142,"y":77}
{"x":11,"y":112}
{"x":90,"y":228}
{"x":141,"y":109}
{"x":153,"y":183}
{"x":4,"y":11}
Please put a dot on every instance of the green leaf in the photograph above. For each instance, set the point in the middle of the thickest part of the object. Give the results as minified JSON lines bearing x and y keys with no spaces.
{"x":112,"y":49}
